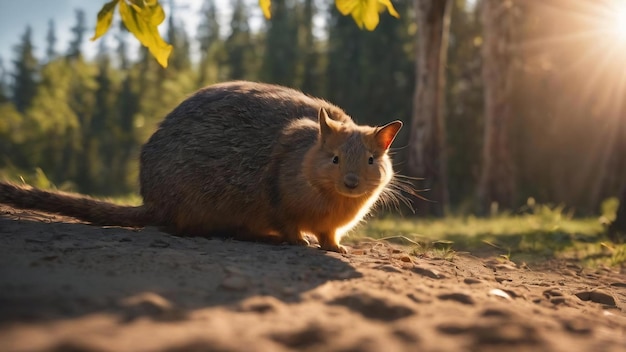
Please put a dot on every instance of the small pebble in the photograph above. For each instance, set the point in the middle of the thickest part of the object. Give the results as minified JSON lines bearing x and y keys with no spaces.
{"x":499,"y":293}
{"x":457,"y":296}
{"x":406,"y":259}
{"x":597,"y":296}
{"x":432,"y":273}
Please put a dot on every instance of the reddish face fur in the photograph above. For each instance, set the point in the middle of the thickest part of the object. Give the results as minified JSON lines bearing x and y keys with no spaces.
{"x":352,"y":160}
{"x":346,"y":170}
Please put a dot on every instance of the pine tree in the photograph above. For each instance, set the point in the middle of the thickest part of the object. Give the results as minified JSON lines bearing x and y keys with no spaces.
{"x":4,"y":92}
{"x":238,"y":42}
{"x":126,"y":110}
{"x":121,"y":122}
{"x":365,"y":66}
{"x":211,"y":46}
{"x":122,"y":48}
{"x":312,"y":70}
{"x":102,"y":144}
{"x":48,"y":120}
{"x":24,"y":73}
{"x":51,"y":40}
{"x":77,"y":153}
{"x":10,"y":133}
{"x":343,"y":74}
{"x":209,"y":27}
{"x":177,"y":37}
{"x":78,"y":31}
{"x":280,"y":61}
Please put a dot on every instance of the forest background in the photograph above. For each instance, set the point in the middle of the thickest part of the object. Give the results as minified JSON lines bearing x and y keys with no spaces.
{"x":79,"y":122}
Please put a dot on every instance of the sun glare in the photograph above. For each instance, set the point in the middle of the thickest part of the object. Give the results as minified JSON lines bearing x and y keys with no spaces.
{"x":588,"y":41}
{"x":619,"y":20}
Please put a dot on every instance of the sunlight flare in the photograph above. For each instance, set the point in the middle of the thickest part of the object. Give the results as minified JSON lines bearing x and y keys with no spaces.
{"x":618,"y":20}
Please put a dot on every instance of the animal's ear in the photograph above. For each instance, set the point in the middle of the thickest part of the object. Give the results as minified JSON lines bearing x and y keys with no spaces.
{"x":387,"y":133}
{"x":325,"y":122}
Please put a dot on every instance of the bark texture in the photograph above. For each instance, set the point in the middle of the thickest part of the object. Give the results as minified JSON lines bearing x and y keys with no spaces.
{"x":427,"y":157}
{"x":497,"y":184}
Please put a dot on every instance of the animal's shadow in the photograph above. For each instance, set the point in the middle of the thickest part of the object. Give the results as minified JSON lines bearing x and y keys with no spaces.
{"x":58,"y":270}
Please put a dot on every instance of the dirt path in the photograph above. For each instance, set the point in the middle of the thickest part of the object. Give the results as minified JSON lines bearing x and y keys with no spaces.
{"x":70,"y":286}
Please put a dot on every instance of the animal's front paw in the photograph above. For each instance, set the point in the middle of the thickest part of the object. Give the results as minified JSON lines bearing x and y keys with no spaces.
{"x":298,"y":241}
{"x":294,"y":237}
{"x":335,"y":248}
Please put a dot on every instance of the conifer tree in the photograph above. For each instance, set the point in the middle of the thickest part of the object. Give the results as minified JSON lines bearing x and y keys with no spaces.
{"x":211,"y":45}
{"x":238,"y":42}
{"x":47,"y":122}
{"x":177,"y":37}
{"x":365,"y":66}
{"x":9,"y":123}
{"x":4,"y":92}
{"x":24,"y":73}
{"x":122,"y":48}
{"x":78,"y":31}
{"x":311,"y":70}
{"x":51,"y":41}
{"x":280,"y":60}
{"x":126,"y":109}
{"x":77,"y":153}
{"x":344,"y":52}
{"x":102,"y":144}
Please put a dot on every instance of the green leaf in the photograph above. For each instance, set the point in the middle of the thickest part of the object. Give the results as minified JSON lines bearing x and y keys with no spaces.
{"x":142,"y":22}
{"x":266,"y":7}
{"x":105,"y":17}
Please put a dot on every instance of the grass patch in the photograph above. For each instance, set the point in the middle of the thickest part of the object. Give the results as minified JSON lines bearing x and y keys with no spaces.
{"x":540,"y":233}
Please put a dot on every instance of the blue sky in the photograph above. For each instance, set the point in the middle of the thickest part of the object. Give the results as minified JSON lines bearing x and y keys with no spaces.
{"x":15,"y":15}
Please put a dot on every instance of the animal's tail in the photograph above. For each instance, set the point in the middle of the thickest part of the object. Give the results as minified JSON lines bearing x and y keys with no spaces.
{"x":80,"y":207}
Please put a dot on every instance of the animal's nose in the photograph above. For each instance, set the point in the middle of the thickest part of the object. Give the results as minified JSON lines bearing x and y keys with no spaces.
{"x":351,"y":180}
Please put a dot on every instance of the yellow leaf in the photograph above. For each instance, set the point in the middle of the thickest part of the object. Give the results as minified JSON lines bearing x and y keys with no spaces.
{"x":365,"y":12}
{"x":370,"y":15}
{"x":346,"y":7}
{"x":158,"y":16}
{"x":390,"y":8}
{"x":105,"y":17}
{"x":140,"y":21}
{"x":266,"y":7}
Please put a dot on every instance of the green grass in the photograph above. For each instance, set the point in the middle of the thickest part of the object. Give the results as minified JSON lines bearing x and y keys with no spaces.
{"x":540,"y":233}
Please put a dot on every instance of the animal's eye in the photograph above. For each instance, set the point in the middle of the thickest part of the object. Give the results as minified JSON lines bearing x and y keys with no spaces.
{"x":335,"y":160}
{"x":370,"y":160}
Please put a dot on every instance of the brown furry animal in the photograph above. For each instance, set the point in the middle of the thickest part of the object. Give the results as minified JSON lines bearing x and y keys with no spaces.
{"x":248,"y":159}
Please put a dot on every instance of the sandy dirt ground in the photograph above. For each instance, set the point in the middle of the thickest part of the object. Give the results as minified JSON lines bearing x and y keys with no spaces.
{"x":67,"y":286}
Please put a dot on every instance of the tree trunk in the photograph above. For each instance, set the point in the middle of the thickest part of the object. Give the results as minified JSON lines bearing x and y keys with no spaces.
{"x":497,"y":183}
{"x":427,"y":157}
{"x":617,"y":229}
